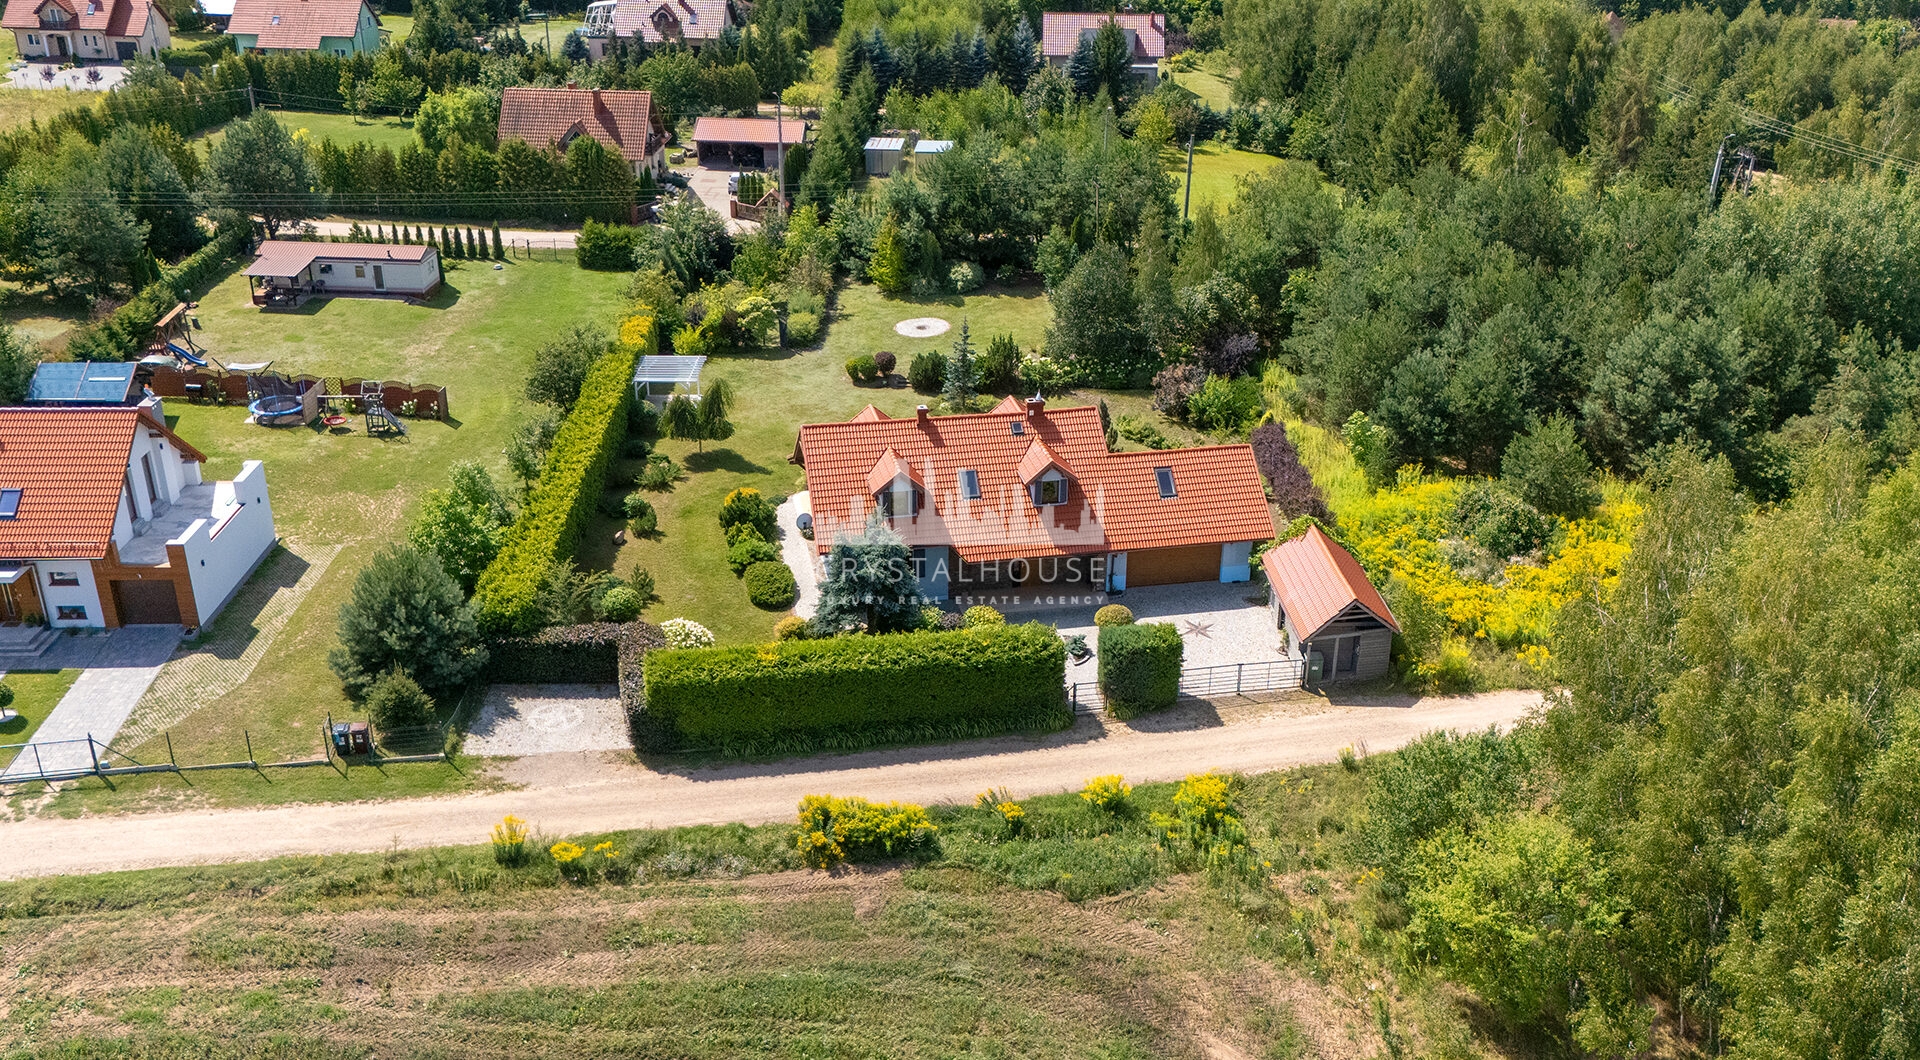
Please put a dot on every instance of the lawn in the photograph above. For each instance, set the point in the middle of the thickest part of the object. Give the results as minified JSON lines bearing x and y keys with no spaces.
{"x":779,"y":390}
{"x":1214,"y":90}
{"x":18,"y":106}
{"x":35,"y":694}
{"x":387,"y":131}
{"x":1076,"y":941}
{"x":38,"y":318}
{"x":339,"y":497}
{"x":1217,"y":170}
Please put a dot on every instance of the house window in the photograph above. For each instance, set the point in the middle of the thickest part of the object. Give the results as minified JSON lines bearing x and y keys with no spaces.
{"x":70,"y":613}
{"x":32,"y":39}
{"x":1050,"y":490}
{"x":276,"y":20}
{"x":888,"y":503}
{"x":969,"y":484}
{"x":359,"y":272}
{"x":1018,"y":428}
{"x":63,"y":577}
{"x":1165,"y":477}
{"x":9,"y":503}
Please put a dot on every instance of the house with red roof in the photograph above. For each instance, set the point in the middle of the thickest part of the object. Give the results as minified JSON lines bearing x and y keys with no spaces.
{"x":625,"y":122}
{"x":1027,"y":498}
{"x":105,"y":520}
{"x":689,"y":22}
{"x":105,"y":30}
{"x":332,"y":27}
{"x":288,"y":271}
{"x":1337,"y":624}
{"x":1062,"y":31}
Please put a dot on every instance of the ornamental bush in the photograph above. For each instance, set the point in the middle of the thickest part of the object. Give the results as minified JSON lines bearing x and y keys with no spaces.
{"x":1002,"y":678}
{"x":803,"y":329}
{"x":928,"y":372}
{"x":506,"y":597}
{"x":982,"y":615}
{"x":396,"y":701}
{"x":885,"y":361}
{"x":833,"y":829}
{"x":747,"y":505}
{"x":686,"y":633}
{"x":966,"y":277}
{"x":749,"y":552}
{"x":621,"y":604}
{"x":792,"y":627}
{"x":861,"y":368}
{"x":1140,"y":667}
{"x":1113,"y":615}
{"x":770,"y":585}
{"x":641,"y":518}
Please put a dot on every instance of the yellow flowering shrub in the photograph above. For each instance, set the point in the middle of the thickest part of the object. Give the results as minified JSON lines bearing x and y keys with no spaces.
{"x":510,"y":841}
{"x":1107,"y":793}
{"x":1204,"y":832}
{"x":636,"y":332}
{"x":834,"y":829}
{"x":564,"y":852}
{"x":1011,"y":813}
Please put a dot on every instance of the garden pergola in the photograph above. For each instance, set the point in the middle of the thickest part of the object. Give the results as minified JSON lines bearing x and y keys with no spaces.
{"x":656,"y":378}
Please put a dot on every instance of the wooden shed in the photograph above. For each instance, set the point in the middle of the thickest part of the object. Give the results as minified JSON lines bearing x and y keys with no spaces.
{"x":1336,"y":622}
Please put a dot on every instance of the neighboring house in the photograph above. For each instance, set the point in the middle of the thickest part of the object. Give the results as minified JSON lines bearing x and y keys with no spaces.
{"x":332,"y":27}
{"x":104,"y":521}
{"x":286,"y":271}
{"x":626,"y":123}
{"x":689,"y":22}
{"x":87,"y":29}
{"x":216,"y":12}
{"x":1029,"y":498}
{"x":1336,"y":622}
{"x":750,"y":142}
{"x":1061,"y":31}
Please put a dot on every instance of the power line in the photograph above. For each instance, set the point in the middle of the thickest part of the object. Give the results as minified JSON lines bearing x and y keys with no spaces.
{"x":1780,"y":127}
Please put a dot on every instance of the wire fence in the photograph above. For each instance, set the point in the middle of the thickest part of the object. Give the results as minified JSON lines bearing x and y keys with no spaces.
{"x":51,"y":761}
{"x":1206,"y":682}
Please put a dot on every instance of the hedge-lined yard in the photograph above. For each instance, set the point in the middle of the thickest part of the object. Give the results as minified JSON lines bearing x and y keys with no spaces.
{"x":859,"y":689}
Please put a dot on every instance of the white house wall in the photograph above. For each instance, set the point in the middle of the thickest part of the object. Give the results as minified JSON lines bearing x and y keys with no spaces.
{"x":221,"y":555}
{"x":401,"y":277}
{"x":86,"y":594}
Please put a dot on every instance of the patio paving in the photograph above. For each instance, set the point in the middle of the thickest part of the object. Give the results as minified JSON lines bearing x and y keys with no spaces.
{"x":31,"y":75}
{"x":119,"y":666}
{"x":542,"y":719}
{"x":1219,"y":623}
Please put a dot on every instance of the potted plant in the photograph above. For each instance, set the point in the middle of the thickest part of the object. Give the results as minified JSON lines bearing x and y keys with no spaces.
{"x":1077,"y":647}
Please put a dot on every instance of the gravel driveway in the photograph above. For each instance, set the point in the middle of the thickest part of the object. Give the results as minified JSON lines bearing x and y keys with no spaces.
{"x":543,"y":719}
{"x":602,"y":795}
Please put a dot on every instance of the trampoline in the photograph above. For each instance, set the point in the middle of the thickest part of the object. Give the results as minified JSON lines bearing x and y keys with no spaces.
{"x":275,"y":407}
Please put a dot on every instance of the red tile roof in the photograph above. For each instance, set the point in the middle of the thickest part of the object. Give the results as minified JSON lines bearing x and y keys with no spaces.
{"x":624,"y":121}
{"x":1037,"y":460}
{"x":747,"y":131}
{"x":1060,"y":33}
{"x":113,"y":18}
{"x":286,"y":257}
{"x":667,"y":20}
{"x":1316,"y":580}
{"x":295,"y":25}
{"x":889,"y":467}
{"x":1113,"y":501}
{"x":69,"y":464}
{"x":870,"y":414}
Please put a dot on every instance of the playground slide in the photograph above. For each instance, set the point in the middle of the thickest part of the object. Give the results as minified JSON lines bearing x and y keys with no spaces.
{"x":187,"y":355}
{"x":393,"y":421}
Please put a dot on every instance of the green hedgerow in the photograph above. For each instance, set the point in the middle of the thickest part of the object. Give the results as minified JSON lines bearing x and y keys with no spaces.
{"x":770,"y":585}
{"x":1140,"y":667}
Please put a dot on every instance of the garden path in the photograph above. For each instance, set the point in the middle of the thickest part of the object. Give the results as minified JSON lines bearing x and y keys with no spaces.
{"x":604,"y":792}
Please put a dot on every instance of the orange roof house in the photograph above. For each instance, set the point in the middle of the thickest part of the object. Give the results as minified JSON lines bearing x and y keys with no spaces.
{"x":625,"y":122}
{"x":336,"y":27}
{"x":689,"y":22}
{"x":87,"y":29}
{"x":1061,"y":32}
{"x":1322,"y":599}
{"x":1005,"y":498}
{"x":105,"y":520}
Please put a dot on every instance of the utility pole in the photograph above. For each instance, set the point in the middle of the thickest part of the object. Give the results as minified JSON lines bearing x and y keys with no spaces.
{"x":780,"y":153}
{"x":1185,"y":206}
{"x":251,"y":105}
{"x":1713,"y":186}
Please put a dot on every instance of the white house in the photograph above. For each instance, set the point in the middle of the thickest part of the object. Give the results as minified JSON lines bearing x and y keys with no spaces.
{"x":287,"y":271}
{"x":105,"y":521}
{"x":102,"y":30}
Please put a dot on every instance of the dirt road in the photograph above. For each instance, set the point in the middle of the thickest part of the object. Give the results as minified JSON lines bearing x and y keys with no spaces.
{"x":567,"y":794}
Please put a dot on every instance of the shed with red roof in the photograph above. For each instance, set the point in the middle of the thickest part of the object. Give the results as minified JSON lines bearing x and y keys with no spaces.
{"x":1337,"y":623}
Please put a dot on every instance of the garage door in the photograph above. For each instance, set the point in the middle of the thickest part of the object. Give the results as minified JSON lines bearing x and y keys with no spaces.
{"x":146,"y":603}
{"x":1171,"y":566}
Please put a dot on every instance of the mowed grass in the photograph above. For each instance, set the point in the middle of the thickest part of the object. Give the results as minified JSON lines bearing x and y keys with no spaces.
{"x":35,"y":694}
{"x":37,"y":317}
{"x":1217,"y":170}
{"x":1215,"y":91}
{"x":778,"y":390}
{"x":1079,"y":940}
{"x":379,"y":130}
{"x":351,"y":493}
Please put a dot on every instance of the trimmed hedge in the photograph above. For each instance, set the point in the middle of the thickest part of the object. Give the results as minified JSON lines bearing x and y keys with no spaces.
{"x":608,"y":248}
{"x":563,"y":500}
{"x":125,"y":331}
{"x":770,"y":585}
{"x":1003,"y":678}
{"x":1140,"y":667}
{"x":641,"y":639}
{"x":584,"y":654}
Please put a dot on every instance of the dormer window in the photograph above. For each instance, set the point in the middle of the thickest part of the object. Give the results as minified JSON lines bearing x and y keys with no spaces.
{"x":969,"y":484}
{"x":92,"y":8}
{"x":1050,"y":489}
{"x":1164,"y":475}
{"x":897,"y":502}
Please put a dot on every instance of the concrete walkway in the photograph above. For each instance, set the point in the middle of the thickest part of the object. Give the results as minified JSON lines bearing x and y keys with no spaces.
{"x":568,"y":794}
{"x":118,"y":666}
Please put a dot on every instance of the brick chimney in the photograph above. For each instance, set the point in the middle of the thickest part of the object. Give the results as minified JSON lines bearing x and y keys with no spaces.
{"x":1036,"y":405}
{"x":920,"y":413}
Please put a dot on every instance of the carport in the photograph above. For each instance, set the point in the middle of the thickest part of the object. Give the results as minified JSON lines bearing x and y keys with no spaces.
{"x":744,"y":142}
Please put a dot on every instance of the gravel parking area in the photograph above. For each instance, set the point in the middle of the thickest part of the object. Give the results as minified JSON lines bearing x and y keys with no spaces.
{"x":542,"y":719}
{"x":1218,"y":623}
